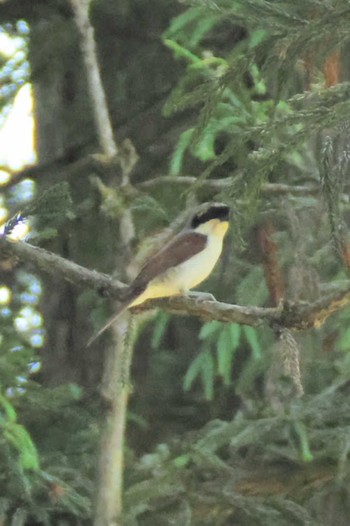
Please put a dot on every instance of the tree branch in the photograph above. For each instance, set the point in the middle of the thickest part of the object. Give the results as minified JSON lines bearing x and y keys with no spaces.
{"x":109,"y":490}
{"x":226,"y":182}
{"x":51,"y":263}
{"x":300,"y":316}
{"x":103,"y":162}
{"x":97,"y":94}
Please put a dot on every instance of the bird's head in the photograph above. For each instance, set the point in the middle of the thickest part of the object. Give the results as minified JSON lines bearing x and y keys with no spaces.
{"x":212,"y":218}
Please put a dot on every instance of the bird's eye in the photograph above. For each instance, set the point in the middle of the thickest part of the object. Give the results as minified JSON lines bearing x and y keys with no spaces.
{"x":195,"y":221}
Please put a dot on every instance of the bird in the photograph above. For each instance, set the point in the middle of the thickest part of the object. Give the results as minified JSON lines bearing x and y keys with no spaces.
{"x":181,"y":264}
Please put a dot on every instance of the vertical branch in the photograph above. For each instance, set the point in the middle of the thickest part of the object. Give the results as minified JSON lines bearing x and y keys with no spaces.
{"x":115,"y":393}
{"x":115,"y":387}
{"x":96,"y":91}
{"x":115,"y":384}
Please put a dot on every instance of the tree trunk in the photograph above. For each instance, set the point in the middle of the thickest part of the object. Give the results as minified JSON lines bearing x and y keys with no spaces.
{"x":136,"y":80}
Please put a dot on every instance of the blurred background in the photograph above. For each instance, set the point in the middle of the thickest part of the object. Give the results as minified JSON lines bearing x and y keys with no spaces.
{"x":245,"y":102}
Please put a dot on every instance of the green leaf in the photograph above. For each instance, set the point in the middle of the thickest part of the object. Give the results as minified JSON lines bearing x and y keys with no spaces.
{"x":182,"y":52}
{"x":224,"y":357}
{"x":193,"y":371}
{"x":235,"y":330}
{"x":29,"y":460}
{"x":159,"y":329}
{"x":227,"y":344}
{"x":257,"y":37}
{"x":208,"y":329}
{"x":8,"y":408}
{"x":204,"y":148}
{"x":202,"y":367}
{"x":259,"y":84}
{"x":179,"y":152}
{"x":208,"y":375}
{"x":180,"y":22}
{"x":252,"y":338}
{"x":19,"y":437}
{"x":201,"y":28}
{"x":301,"y":432}
{"x":182,"y":460}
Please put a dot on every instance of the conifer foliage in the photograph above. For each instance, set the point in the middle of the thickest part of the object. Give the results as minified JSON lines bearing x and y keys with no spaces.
{"x":228,"y":423}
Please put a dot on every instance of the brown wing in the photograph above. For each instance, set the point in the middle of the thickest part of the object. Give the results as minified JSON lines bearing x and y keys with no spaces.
{"x":181,"y":248}
{"x":178,"y":250}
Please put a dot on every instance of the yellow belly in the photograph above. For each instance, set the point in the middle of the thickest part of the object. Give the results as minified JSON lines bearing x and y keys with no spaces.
{"x":179,"y":280}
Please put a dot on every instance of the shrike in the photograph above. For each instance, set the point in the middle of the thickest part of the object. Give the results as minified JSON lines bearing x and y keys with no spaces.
{"x":181,"y":264}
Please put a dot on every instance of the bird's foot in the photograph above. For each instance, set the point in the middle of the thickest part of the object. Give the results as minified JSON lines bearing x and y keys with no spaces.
{"x":201,"y":296}
{"x":197,"y":296}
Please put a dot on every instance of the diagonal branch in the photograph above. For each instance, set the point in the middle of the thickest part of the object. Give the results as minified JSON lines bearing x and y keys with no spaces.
{"x":51,"y":263}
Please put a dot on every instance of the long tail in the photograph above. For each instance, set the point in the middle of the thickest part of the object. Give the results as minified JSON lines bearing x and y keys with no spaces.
{"x":121,"y":309}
